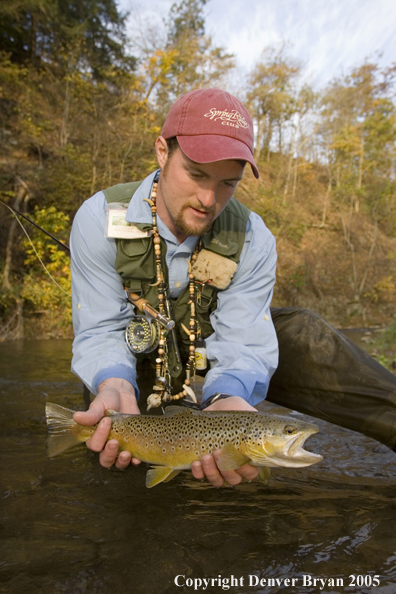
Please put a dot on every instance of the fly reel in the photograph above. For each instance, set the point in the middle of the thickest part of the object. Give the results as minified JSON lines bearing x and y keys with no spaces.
{"x":142,"y":334}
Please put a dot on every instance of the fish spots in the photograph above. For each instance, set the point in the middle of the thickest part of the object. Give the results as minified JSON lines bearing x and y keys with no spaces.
{"x":189,"y":435}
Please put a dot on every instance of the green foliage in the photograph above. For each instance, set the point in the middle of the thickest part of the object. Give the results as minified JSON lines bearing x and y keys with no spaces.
{"x":48,"y":289}
{"x":298,"y":278}
{"x":188,"y":59}
{"x":57,"y":33}
{"x":78,"y":114}
{"x":359,"y":126}
{"x":272,"y":98}
{"x":382,"y":346}
{"x":387,"y":338}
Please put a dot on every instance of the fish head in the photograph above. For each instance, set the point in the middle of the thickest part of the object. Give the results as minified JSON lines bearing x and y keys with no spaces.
{"x":282,"y":443}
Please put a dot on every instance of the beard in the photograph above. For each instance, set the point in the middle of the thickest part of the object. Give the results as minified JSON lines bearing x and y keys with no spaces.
{"x":195,"y":229}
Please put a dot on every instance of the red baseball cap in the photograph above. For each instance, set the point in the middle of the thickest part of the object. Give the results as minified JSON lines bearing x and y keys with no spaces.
{"x":211,"y":125}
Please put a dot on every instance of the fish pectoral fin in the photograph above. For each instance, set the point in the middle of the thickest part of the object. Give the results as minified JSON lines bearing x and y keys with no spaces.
{"x":159,"y":474}
{"x":231,"y":458}
{"x":171,"y":476}
{"x":268,"y":448}
{"x":263,"y":474}
{"x":259,"y":455}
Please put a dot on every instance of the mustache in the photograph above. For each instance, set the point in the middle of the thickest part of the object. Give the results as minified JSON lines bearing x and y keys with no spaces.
{"x":200,"y":206}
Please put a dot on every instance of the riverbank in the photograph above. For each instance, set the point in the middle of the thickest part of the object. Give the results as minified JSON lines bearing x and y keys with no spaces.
{"x":378,"y":342}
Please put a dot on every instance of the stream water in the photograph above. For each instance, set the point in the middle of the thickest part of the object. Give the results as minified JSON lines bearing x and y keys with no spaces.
{"x":68,"y":526}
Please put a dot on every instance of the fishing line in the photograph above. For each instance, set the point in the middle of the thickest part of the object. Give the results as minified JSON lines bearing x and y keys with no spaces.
{"x":35,"y":251}
{"x":15,"y":211}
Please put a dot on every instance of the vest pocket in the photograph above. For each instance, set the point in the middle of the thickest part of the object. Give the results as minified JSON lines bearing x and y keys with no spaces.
{"x":134,"y":247}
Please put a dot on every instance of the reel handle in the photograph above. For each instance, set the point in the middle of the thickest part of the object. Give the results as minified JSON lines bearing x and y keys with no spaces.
{"x":145,"y":306}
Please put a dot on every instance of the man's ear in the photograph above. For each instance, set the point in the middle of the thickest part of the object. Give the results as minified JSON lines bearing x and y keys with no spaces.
{"x":161,"y":149}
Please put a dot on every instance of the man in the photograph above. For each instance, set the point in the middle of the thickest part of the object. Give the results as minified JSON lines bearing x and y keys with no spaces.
{"x":205,"y":144}
{"x":206,"y":141}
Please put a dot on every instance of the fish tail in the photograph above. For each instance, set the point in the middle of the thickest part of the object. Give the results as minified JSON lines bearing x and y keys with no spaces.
{"x":63,"y":432}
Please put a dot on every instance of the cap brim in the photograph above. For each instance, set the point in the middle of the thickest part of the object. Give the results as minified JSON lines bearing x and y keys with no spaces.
{"x":209,"y":148}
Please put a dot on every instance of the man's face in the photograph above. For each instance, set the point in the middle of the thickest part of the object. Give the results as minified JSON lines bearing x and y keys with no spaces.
{"x":191,"y":195}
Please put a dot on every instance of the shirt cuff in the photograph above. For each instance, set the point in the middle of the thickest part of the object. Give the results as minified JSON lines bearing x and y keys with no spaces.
{"x":119,"y":371}
{"x":248,"y":385}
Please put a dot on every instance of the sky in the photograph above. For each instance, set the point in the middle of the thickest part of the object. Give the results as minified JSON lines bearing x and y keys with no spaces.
{"x":328,"y":37}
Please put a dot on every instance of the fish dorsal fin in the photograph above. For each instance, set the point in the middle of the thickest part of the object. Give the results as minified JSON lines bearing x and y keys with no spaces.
{"x":114,"y":413}
{"x":173,"y":409}
{"x":263,"y":474}
{"x":231,"y":458}
{"x":158,"y":474}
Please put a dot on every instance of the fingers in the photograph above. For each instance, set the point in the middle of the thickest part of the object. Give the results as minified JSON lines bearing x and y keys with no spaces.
{"x":247,"y":471}
{"x":90,"y":416}
{"x":207,"y":468}
{"x":98,"y":440}
{"x":109,"y":456}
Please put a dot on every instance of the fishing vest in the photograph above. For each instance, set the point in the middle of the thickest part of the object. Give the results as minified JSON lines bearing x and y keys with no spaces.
{"x":135,"y":263}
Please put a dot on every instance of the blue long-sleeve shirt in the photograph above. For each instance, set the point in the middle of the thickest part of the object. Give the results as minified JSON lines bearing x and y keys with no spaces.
{"x":242,"y":351}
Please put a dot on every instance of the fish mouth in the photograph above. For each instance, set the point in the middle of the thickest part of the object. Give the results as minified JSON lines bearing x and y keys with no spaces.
{"x":294,"y":455}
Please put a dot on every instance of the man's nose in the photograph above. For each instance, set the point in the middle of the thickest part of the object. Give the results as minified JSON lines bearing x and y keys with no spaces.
{"x":207,"y":197}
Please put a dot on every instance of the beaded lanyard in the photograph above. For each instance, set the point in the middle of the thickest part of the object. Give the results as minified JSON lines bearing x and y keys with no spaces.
{"x":162,"y":386}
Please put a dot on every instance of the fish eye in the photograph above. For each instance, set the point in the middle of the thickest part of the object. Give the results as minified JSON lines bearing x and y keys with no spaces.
{"x":289,"y":429}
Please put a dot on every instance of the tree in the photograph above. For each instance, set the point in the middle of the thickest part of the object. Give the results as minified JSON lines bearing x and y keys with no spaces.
{"x":359,"y":122}
{"x":359,"y":133}
{"x":90,"y":34}
{"x":187,"y":59}
{"x":272,"y":96}
{"x":46,"y":285}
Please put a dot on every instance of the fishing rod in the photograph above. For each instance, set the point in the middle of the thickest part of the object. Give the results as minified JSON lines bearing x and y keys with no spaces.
{"x":15,"y":211}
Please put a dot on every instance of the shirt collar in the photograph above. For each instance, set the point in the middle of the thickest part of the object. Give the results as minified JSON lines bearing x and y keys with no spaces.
{"x":139,"y":210}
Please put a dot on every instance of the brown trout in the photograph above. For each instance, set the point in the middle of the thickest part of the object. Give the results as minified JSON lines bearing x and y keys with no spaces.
{"x":172,"y":442}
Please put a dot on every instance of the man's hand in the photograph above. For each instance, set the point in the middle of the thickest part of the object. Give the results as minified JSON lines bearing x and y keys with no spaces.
{"x":119,"y":395}
{"x":208,"y":468}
